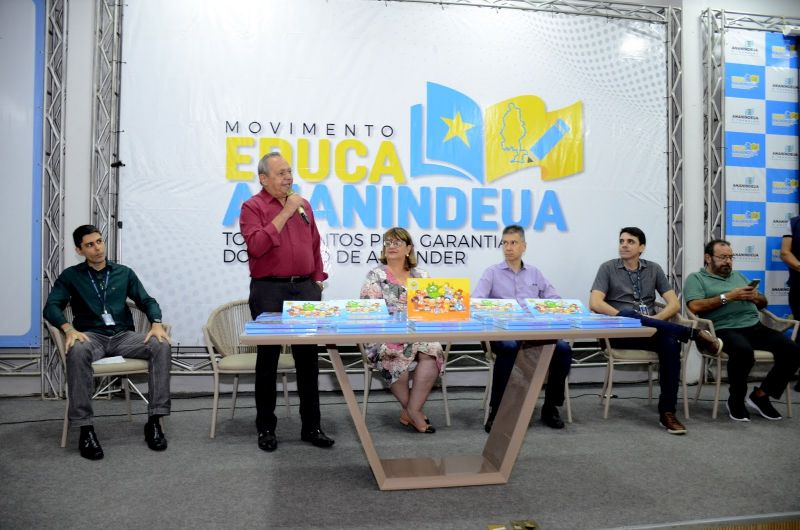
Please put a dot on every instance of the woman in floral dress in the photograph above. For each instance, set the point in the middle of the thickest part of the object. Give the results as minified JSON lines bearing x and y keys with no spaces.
{"x":395,"y":361}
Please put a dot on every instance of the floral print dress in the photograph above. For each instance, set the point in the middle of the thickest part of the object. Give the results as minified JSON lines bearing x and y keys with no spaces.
{"x":392,"y":359}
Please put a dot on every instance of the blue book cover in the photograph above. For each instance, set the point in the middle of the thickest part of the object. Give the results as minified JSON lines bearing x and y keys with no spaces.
{"x":272,"y":323}
{"x":531,"y":323}
{"x":270,"y":330}
{"x":605,"y":321}
{"x":366,"y":326}
{"x":456,"y":325}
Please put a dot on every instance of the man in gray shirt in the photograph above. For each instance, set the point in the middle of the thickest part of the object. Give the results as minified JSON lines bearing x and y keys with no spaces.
{"x":627,"y":286}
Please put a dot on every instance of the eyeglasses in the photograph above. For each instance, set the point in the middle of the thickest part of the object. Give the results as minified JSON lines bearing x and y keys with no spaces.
{"x":511,"y":243}
{"x":724,"y":258}
{"x":394,"y":243}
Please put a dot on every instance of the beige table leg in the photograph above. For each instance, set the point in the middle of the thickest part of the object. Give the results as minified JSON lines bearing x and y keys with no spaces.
{"x":502,"y":446}
{"x":355,"y":414}
{"x":519,"y":399}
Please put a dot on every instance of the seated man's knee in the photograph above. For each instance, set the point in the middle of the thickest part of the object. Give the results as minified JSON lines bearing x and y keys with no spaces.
{"x":563,"y":355}
{"x":159,"y":348}
{"x":506,"y":347}
{"x":667,"y":345}
{"x":80,"y":352}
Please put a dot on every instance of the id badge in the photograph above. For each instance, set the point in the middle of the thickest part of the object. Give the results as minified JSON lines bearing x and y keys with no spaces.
{"x":108,"y":320}
{"x":643,"y":310}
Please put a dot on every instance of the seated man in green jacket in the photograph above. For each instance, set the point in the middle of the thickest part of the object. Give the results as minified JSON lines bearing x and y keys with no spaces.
{"x":102,"y":326}
{"x":731,"y":302}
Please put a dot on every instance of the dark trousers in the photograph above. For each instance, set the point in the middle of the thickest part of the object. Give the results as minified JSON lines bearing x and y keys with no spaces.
{"x":739,"y":345}
{"x":666,"y":343}
{"x":505,"y":357}
{"x":269,"y":296}
{"x":794,"y":302}
{"x":128,"y":344}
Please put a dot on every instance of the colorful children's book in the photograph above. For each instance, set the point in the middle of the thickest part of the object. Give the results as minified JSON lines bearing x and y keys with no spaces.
{"x":366,"y":309}
{"x":552,"y":307}
{"x":491,"y":307}
{"x":438,"y":299}
{"x":314,"y":310}
{"x":325,"y":310}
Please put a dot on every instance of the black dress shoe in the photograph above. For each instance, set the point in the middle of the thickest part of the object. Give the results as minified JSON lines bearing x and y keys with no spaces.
{"x":154,"y":436}
{"x":552,"y":418}
{"x":267,"y":441}
{"x":89,"y":446}
{"x":316,"y":437}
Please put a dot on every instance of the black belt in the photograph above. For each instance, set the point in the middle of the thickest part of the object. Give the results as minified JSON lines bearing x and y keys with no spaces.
{"x":284,"y":279}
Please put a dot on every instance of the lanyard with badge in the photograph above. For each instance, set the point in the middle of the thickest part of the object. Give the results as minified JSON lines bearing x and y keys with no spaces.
{"x":108,"y":320}
{"x":636,"y":281}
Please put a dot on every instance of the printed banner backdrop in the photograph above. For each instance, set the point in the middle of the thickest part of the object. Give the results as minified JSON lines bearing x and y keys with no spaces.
{"x":22,"y":33}
{"x":761,"y":164}
{"x":452,"y":122}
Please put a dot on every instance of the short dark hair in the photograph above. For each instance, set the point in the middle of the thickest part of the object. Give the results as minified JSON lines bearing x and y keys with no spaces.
{"x":83,"y":230}
{"x":635,"y":232}
{"x":515,"y":229}
{"x":709,"y":248}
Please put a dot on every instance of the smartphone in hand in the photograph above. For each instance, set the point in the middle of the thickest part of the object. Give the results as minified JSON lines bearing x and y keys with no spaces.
{"x":754,"y":283}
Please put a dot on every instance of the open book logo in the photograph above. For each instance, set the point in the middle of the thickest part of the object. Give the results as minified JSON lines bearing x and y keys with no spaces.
{"x":450,"y":135}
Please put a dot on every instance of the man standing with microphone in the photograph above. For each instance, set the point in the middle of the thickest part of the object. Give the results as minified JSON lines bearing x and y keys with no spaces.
{"x":285,"y":264}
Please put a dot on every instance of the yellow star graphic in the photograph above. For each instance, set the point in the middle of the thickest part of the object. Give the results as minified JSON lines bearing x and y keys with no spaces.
{"x":457,"y":128}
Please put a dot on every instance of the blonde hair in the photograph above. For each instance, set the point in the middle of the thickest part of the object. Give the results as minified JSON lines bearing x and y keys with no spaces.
{"x":402,"y":235}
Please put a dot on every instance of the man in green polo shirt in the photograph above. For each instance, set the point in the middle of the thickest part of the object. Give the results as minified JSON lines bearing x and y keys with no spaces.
{"x":731,"y":302}
{"x":102,"y":326}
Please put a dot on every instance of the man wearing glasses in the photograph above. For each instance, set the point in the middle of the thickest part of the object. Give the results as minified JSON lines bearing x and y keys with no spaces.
{"x":731,"y":302}
{"x":627,"y":287}
{"x":283,"y":249}
{"x":513,"y":279}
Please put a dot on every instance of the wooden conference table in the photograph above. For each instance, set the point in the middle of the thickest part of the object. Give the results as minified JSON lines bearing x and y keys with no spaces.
{"x":494,"y":464}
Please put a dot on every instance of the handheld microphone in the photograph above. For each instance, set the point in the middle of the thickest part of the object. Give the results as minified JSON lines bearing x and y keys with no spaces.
{"x":300,"y":209}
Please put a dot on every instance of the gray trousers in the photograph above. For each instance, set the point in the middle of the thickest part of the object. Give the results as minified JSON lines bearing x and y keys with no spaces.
{"x":80,"y":379}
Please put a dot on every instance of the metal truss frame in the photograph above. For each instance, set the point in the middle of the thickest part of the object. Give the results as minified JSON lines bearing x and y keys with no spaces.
{"x":54,"y":147}
{"x":675,"y":165}
{"x":715,"y":23}
{"x":105,"y":124}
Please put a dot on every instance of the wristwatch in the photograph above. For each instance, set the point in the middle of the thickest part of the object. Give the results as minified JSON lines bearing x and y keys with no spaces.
{"x":723,"y":299}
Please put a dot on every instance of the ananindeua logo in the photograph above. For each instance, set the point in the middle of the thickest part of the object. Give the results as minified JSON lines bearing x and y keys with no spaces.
{"x":745,"y":150}
{"x":784,"y":187}
{"x":745,"y":82}
{"x":745,"y":219}
{"x":451,"y":136}
{"x":784,"y":119}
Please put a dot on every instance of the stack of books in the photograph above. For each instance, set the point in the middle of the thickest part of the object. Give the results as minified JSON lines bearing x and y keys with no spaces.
{"x":529,"y":322}
{"x":273,"y":323}
{"x":605,"y":321}
{"x":447,"y":325}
